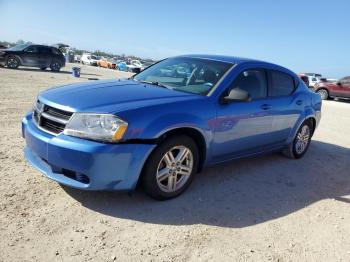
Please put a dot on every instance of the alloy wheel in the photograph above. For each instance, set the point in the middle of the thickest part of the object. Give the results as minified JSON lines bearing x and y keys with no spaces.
{"x":302,"y":139}
{"x":12,"y":62}
{"x":174,"y":169}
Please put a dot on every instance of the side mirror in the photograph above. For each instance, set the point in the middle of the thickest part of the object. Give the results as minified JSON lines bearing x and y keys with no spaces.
{"x":236,"y":95}
{"x":339,"y":83}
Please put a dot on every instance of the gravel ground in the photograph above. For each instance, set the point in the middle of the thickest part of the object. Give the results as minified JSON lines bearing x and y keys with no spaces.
{"x":267,"y":208}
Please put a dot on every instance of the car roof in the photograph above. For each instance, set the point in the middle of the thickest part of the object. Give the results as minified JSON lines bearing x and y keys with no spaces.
{"x":237,"y":60}
{"x":222,"y":58}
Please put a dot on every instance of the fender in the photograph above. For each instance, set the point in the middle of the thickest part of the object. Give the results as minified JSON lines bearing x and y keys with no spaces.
{"x":171,"y":122}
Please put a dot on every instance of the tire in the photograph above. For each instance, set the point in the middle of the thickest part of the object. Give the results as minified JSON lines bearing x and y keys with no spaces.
{"x":323,"y":93}
{"x":165,"y":177}
{"x":12,"y":62}
{"x":301,"y":141}
{"x":55,"y":66}
{"x":43,"y":68}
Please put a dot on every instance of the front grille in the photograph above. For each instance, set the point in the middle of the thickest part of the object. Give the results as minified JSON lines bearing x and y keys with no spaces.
{"x":58,"y":112}
{"x":51,"y":126}
{"x":50,"y":119}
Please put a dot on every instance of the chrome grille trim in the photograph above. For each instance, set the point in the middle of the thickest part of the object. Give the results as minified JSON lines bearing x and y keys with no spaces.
{"x":53,"y":118}
{"x":49,"y":119}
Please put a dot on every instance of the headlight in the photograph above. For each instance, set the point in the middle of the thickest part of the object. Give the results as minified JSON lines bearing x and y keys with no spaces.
{"x":2,"y":53}
{"x":101,"y":127}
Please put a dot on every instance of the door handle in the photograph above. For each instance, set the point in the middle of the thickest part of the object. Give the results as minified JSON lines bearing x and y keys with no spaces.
{"x":265,"y":107}
{"x":299,"y":102}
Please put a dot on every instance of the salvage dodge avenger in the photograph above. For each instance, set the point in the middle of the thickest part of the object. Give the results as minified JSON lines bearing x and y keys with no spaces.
{"x":159,"y":129}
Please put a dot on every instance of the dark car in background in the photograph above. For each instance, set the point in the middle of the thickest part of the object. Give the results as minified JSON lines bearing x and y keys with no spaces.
{"x":338,"y":89}
{"x":40,"y":56}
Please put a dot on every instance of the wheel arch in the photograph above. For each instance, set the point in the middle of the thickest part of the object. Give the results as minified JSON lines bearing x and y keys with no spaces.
{"x":308,"y":117}
{"x":313,"y":122}
{"x":193,"y":133}
{"x":16,"y":56}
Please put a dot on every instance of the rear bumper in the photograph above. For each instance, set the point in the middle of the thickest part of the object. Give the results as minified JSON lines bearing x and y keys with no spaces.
{"x":81,"y":163}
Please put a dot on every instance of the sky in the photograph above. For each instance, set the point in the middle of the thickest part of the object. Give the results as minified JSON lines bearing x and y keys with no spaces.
{"x":304,"y":36}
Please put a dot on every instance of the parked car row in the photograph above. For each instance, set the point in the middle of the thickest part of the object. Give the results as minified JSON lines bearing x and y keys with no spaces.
{"x":333,"y":89}
{"x":134,"y":66}
{"x":43,"y":57}
{"x":327,"y":88}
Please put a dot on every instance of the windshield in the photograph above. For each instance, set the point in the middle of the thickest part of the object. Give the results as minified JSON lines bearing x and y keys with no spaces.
{"x":192,"y":75}
{"x":19,"y":47}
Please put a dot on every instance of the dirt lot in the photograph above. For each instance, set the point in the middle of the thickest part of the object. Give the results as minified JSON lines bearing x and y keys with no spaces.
{"x":264,"y":209}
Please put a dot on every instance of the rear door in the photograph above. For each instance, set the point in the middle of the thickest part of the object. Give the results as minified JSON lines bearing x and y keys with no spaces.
{"x":45,"y":56}
{"x":287,"y":104}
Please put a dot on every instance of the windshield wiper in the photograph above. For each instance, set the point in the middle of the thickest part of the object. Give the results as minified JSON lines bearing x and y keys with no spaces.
{"x":155,"y":83}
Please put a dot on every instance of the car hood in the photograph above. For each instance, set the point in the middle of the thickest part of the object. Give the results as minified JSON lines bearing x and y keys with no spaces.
{"x":110,"y":96}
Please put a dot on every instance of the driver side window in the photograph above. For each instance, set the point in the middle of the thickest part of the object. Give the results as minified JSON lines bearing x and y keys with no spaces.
{"x":31,"y":49}
{"x":252,"y":81}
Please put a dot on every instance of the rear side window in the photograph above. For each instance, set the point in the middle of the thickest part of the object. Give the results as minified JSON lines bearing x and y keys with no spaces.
{"x":252,"y":81}
{"x":55,"y":51}
{"x":45,"y":50}
{"x":281,"y":84}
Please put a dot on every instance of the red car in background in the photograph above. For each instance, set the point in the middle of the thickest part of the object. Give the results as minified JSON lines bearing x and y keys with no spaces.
{"x":339,"y":89}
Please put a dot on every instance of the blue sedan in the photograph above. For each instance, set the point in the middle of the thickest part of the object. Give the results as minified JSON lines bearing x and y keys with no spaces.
{"x":159,"y":130}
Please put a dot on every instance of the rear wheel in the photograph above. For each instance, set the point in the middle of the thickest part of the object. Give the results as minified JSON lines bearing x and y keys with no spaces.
{"x":55,"y":66}
{"x":323,"y":93}
{"x":301,"y":142}
{"x":12,"y":62}
{"x":170,"y":168}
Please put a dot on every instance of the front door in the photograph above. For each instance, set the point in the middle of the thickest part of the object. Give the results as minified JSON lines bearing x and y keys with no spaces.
{"x":287,"y":103}
{"x":45,"y":56}
{"x":343,"y":88}
{"x":244,"y":127}
{"x":30,"y":56}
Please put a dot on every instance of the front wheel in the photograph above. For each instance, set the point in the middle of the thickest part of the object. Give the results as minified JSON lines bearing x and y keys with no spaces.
{"x":12,"y":62}
{"x":170,"y":168}
{"x":301,"y":142}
